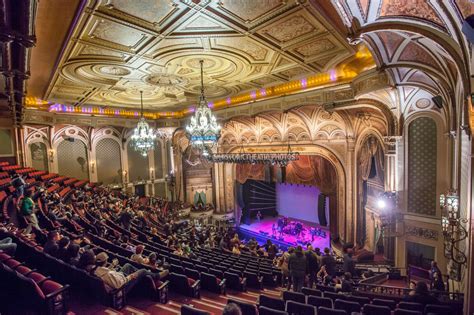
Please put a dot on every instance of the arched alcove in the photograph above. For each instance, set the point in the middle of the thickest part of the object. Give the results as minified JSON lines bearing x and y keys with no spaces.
{"x":73,"y":159}
{"x":108,"y":159}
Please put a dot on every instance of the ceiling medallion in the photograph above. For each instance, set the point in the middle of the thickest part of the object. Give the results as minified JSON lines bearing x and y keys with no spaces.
{"x":203,"y":131}
{"x":164,"y":80}
{"x":114,"y":70}
{"x":143,"y":138}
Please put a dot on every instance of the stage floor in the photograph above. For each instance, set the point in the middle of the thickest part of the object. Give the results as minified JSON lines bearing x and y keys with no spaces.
{"x":265,"y":226}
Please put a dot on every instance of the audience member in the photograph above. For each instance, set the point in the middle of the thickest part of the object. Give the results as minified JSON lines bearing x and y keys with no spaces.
{"x":27,"y":210}
{"x":348,"y":264}
{"x":7,"y":246}
{"x":231,"y":309}
{"x":138,"y":257}
{"x":311,"y":265}
{"x":297,"y":267}
{"x":421,"y":295}
{"x":329,"y":262}
{"x":51,"y":246}
{"x":72,"y":256}
{"x":63,"y":244}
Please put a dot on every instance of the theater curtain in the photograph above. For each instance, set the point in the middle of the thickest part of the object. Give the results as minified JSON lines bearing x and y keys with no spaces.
{"x":313,"y":170}
{"x":249,"y":171}
{"x":370,"y":152}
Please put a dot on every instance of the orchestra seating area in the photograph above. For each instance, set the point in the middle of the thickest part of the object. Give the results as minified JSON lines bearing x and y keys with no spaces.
{"x":251,"y":282}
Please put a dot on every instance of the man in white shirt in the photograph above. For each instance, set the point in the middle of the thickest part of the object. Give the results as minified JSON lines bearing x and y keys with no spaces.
{"x":128,"y":276}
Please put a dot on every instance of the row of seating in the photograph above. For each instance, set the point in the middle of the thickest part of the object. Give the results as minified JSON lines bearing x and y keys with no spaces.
{"x":38,"y":292}
{"x":273,"y":306}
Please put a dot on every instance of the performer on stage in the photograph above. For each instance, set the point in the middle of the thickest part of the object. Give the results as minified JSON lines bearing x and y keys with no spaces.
{"x":259,"y":216}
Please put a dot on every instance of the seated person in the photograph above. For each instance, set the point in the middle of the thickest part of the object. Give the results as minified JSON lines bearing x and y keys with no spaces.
{"x":421,"y":295}
{"x":346,"y":284}
{"x":7,"y":246}
{"x":138,"y":257}
{"x":87,"y":260}
{"x":51,"y":246}
{"x":127,"y":277}
{"x":153,"y":261}
{"x":72,"y":256}
{"x":63,"y":244}
{"x":236,"y":249}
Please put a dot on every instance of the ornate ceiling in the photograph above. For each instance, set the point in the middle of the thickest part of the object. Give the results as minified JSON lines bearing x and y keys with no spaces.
{"x":119,"y":47}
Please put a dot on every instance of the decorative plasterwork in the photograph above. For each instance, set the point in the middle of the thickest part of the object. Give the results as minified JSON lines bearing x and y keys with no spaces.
{"x":305,"y":124}
{"x":421,"y":232}
{"x":155,"y":46}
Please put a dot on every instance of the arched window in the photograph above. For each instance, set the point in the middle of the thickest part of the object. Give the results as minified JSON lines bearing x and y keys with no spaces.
{"x":72,"y":159}
{"x":422,"y":159}
{"x":108,"y":161}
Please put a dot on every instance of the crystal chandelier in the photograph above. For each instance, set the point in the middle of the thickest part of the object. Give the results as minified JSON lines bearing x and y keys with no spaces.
{"x":203,"y":131}
{"x":143,"y":138}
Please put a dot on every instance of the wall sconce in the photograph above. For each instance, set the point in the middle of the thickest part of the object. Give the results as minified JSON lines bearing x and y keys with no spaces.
{"x":454,"y":231}
{"x":152,"y":174}
{"x":92,"y":166}
{"x":51,"y":155}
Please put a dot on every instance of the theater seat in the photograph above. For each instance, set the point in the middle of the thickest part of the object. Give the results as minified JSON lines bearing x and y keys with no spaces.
{"x":212,"y":283}
{"x":347,"y":306}
{"x":320,"y":301}
{"x":235,"y":282}
{"x":247,"y":308}
{"x":383,"y":302}
{"x":330,"y":311}
{"x":296,"y":308}
{"x":184,"y":285}
{"x":271,"y":302}
{"x":411,"y":306}
{"x":254,"y":280}
{"x":294,"y":296}
{"x":437,"y":309}
{"x":309,"y":291}
{"x":189,"y":310}
{"x":370,"y":309}
{"x":400,"y":311}
{"x":262,"y":310}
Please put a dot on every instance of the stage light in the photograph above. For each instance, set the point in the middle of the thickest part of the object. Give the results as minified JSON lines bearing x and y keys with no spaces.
{"x":381,"y":204}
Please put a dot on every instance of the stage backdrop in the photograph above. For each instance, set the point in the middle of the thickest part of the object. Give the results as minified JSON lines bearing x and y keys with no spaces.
{"x":298,"y":201}
{"x":310,"y":170}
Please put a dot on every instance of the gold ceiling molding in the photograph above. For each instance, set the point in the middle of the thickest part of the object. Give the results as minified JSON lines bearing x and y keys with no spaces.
{"x":117,"y":49}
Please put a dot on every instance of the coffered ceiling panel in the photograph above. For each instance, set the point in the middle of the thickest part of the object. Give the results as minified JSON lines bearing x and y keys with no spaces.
{"x":119,"y":47}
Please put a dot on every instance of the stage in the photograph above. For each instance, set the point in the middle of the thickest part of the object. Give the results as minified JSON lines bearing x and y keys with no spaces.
{"x":262,"y":230}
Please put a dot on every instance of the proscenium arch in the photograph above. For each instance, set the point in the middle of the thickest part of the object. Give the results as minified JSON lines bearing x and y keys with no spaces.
{"x":341,"y":193}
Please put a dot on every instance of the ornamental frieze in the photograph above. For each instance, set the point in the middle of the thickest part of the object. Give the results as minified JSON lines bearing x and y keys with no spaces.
{"x":421,"y":232}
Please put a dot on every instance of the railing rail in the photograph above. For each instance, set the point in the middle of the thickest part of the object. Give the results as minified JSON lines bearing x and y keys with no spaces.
{"x":398,"y":292}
